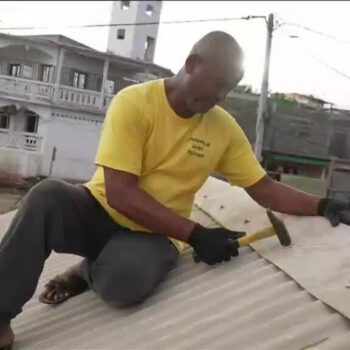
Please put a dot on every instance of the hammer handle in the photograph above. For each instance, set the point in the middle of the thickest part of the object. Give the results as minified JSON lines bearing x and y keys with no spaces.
{"x":253,"y":237}
{"x":245,"y":240}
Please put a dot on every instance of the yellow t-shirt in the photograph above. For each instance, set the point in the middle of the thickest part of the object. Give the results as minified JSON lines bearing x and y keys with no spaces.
{"x":172,"y":156}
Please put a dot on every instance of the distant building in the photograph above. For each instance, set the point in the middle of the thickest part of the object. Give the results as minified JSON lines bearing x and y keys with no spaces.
{"x":308,"y":101}
{"x":296,"y":140}
{"x":134,"y":41}
{"x":54,"y":92}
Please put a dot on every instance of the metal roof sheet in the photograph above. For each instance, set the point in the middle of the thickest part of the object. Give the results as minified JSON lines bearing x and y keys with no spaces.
{"x":247,"y":303}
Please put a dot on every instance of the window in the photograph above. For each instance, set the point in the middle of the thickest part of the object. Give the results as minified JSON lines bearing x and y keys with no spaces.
{"x":79,"y":80}
{"x":121,"y":34}
{"x":4,"y":120}
{"x":46,"y":73}
{"x":15,"y":70}
{"x":27,"y":71}
{"x":149,"y":10}
{"x":32,"y":120}
{"x":149,"y":48}
{"x":124,"y":5}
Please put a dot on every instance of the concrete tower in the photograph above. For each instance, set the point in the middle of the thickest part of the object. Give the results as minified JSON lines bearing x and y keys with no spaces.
{"x":137,"y":41}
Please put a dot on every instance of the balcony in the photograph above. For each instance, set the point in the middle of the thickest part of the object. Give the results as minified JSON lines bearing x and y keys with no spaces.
{"x":65,"y":96}
{"x":20,"y":140}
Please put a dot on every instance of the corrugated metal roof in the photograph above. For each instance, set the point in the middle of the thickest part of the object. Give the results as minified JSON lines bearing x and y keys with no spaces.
{"x":319,"y":257}
{"x":247,"y":303}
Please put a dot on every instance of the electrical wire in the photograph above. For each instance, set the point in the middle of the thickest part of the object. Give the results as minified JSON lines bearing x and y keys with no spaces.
{"x":325,"y":64}
{"x":288,"y":23}
{"x":246,"y":18}
{"x":320,"y":61}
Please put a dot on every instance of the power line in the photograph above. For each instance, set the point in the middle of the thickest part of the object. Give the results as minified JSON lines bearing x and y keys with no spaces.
{"x":326,"y":64}
{"x":320,"y":61}
{"x":286,"y":22}
{"x":246,"y":18}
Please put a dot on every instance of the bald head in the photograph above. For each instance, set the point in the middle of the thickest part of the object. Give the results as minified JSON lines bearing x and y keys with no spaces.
{"x":215,"y":44}
{"x":212,"y":69}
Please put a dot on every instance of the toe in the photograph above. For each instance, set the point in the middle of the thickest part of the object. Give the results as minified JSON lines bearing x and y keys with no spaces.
{"x":50,"y":295}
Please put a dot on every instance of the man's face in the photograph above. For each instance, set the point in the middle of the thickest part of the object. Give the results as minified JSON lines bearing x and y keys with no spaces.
{"x":208,"y":81}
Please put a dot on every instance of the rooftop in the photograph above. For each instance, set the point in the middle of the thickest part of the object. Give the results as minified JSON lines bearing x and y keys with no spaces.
{"x":268,"y":298}
{"x":58,"y":40}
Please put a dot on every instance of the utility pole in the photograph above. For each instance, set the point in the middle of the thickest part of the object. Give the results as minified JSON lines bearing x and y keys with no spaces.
{"x":259,"y":131}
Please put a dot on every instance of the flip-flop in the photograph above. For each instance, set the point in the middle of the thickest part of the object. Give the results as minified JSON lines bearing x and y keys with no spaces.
{"x":69,"y":283}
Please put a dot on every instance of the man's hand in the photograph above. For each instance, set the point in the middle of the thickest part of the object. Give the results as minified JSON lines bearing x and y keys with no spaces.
{"x":214,"y":245}
{"x":335,"y":211}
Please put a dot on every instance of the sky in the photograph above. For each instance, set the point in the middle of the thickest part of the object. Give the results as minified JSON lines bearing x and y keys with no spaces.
{"x":297,"y":64}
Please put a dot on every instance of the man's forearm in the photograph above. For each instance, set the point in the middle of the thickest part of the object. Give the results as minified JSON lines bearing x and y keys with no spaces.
{"x":292,"y":201}
{"x":288,"y":200}
{"x":142,"y":208}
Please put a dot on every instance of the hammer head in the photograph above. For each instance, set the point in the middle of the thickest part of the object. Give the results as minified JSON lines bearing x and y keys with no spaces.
{"x":280,"y":228}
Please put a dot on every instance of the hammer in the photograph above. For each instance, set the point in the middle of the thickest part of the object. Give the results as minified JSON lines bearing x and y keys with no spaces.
{"x":278,"y":228}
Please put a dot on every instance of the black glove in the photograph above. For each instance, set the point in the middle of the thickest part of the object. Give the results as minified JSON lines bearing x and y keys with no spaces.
{"x":335,"y":211}
{"x":214,"y":245}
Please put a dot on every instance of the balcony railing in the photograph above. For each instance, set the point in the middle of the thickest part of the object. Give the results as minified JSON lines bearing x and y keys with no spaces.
{"x":78,"y":97}
{"x":36,"y":91}
{"x":20,"y":140}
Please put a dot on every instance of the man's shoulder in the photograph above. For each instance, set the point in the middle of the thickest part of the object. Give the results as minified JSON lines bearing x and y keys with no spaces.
{"x":141,"y":92}
{"x":222,"y":118}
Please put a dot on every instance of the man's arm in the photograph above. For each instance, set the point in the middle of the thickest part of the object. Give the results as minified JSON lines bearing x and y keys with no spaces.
{"x":124,"y":195}
{"x":283,"y":198}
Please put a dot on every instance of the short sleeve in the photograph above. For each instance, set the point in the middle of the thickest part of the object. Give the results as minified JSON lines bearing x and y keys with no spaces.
{"x":123,"y":136}
{"x":238,"y":162}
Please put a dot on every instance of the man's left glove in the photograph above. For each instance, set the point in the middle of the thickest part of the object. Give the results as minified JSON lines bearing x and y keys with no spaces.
{"x":335,"y":211}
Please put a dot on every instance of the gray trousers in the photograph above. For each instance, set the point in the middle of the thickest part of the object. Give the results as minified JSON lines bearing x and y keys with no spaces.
{"x":121,"y":266}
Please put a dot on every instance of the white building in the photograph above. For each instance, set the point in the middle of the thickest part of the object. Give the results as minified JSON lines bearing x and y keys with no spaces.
{"x":54,"y":92}
{"x":134,"y":41}
{"x":308,"y":101}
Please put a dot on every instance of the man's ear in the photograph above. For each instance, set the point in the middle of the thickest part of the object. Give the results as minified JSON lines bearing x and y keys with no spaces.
{"x":191,"y":62}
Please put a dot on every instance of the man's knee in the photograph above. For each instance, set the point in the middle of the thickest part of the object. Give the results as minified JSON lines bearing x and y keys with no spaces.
{"x":46,"y":190}
{"x":125,"y":284}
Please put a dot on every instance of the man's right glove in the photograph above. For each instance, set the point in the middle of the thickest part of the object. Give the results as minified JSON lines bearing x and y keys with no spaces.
{"x":214,"y":245}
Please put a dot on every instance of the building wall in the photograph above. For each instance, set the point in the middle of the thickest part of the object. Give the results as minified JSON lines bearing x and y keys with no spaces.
{"x":18,"y":121}
{"x":245,"y":113}
{"x":33,"y":58}
{"x":293,"y":135}
{"x":26,"y":163}
{"x":74,"y":134}
{"x":21,"y":162}
{"x":91,"y":66}
{"x":76,"y":142}
{"x":142,"y":32}
{"x":8,"y":44}
{"x":135,"y":36}
{"x":23,"y":52}
{"x":122,"y":47}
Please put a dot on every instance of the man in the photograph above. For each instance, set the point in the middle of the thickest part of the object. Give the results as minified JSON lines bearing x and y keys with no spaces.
{"x":159,"y":143}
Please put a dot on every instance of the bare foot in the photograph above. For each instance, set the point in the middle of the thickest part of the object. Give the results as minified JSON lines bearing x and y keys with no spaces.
{"x":64,"y":286}
{"x":6,"y":337}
